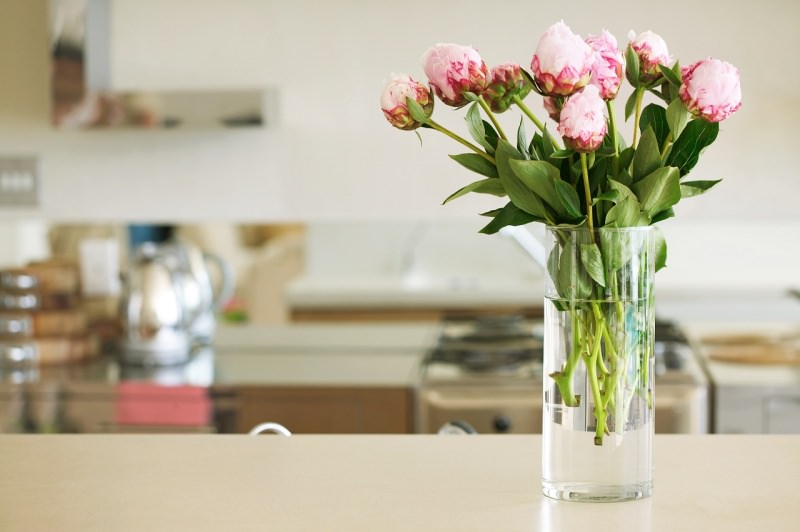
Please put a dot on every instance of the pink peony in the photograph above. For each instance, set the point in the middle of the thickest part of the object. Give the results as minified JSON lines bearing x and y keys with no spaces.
{"x":652,"y":51}
{"x":553,"y":107}
{"x":453,"y":70}
{"x":608,"y":67}
{"x":395,"y":106}
{"x":562,"y":62}
{"x":711,"y":89}
{"x":582,"y":123}
{"x":507,"y":81}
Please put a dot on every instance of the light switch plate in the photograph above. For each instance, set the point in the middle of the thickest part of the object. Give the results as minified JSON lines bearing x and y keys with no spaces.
{"x":19,"y":181}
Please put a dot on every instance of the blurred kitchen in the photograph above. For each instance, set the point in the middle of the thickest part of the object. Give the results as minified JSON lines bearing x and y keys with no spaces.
{"x":230,"y":158}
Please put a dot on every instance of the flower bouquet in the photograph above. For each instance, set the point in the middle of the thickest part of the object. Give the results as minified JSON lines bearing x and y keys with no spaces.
{"x":599,"y":198}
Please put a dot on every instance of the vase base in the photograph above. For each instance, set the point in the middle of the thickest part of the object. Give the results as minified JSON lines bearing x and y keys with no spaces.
{"x":594,"y":492}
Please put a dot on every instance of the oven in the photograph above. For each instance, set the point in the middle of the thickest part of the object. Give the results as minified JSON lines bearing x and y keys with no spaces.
{"x":485,"y":375}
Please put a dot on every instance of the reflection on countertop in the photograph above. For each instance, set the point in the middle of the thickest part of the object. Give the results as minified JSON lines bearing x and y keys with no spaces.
{"x":302,"y":354}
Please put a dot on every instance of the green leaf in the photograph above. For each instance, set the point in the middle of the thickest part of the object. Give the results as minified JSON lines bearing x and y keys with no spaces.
{"x":475,"y":126}
{"x":522,"y":196}
{"x":663,"y":215}
{"x":647,"y":157}
{"x":609,"y":195}
{"x":476,"y":163}
{"x":568,"y":198}
{"x":416,"y":111}
{"x":553,"y":260}
{"x":604,"y":151}
{"x":548,"y":144}
{"x":540,"y":177}
{"x":658,"y":191}
{"x":673,"y":78}
{"x":561,"y":154}
{"x":621,"y":190}
{"x":661,"y":249}
{"x":630,"y":105}
{"x":616,"y":248}
{"x":470,"y":96}
{"x":508,"y":215}
{"x":536,"y":149}
{"x":695,"y":188}
{"x":697,"y":135}
{"x":655,"y":116}
{"x":484,"y":186}
{"x":624,"y":214}
{"x":593,"y":262}
{"x":677,"y":116}
{"x":631,"y":70}
{"x":626,"y":157}
{"x":572,"y":282}
{"x":522,"y":139}
{"x":491,"y":135}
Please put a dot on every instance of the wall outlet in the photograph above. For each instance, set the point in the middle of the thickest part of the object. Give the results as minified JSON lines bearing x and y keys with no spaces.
{"x":19,"y":181}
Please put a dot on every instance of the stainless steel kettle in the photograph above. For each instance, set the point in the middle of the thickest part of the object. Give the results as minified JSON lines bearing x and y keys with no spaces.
{"x":169,"y":301}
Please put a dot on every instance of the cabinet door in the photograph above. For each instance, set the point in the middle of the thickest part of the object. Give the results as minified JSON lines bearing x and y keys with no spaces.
{"x":783,"y":415}
{"x":325,"y":410}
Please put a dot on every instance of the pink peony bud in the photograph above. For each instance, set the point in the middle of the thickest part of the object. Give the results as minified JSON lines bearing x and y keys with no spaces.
{"x":553,"y":107}
{"x":652,"y":51}
{"x":608,"y":67}
{"x":562,"y":62}
{"x":394,"y":105}
{"x":711,"y":89}
{"x":507,"y":81}
{"x":582,"y":123}
{"x":453,"y":70}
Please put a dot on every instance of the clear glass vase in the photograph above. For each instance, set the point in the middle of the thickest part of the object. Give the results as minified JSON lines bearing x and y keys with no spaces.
{"x":598,"y":364}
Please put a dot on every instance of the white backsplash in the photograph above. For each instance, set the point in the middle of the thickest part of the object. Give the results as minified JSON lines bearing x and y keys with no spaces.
{"x":703,"y":256}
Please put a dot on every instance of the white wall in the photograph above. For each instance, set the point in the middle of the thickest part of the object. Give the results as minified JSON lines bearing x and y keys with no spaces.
{"x":333,"y":157}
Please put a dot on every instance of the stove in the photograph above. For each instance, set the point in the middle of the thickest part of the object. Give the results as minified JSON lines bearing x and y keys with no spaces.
{"x":485,"y":374}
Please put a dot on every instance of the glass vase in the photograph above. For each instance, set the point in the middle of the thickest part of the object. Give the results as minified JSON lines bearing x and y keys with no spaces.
{"x":597,"y":426}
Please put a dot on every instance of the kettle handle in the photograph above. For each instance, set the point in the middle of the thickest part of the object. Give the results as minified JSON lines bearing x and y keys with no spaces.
{"x":227,"y":281}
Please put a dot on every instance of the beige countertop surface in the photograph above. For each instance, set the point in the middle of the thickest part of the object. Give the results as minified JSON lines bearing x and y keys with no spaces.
{"x":377,"y":483}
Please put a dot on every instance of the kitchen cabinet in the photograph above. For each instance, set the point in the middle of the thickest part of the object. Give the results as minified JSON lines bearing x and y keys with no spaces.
{"x":328,"y":410}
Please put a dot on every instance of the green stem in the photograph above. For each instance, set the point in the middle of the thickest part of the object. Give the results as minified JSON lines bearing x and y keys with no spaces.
{"x":460,"y":140}
{"x":588,"y":195}
{"x":528,"y":113}
{"x":636,"y":116}
{"x":667,"y":142}
{"x":614,"y":139}
{"x":491,"y":116}
{"x":563,"y":378}
{"x":599,"y":411}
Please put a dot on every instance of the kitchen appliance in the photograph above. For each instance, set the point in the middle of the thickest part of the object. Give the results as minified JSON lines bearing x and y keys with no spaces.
{"x":487,"y":373}
{"x":169,"y":301}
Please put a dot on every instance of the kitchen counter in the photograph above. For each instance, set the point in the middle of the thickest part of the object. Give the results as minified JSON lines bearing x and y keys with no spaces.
{"x":369,"y":483}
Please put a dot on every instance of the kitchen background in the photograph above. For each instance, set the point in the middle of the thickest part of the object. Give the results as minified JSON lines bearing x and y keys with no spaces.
{"x":326,"y":155}
{"x":349,"y":207}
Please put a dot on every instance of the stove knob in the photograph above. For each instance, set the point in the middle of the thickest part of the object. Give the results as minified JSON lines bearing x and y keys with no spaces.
{"x":502,"y":423}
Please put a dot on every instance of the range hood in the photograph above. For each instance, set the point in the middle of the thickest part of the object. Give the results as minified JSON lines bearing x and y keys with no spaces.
{"x":83,"y":96}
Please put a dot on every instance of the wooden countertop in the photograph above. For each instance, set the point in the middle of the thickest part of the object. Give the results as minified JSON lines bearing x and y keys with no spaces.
{"x":377,"y":483}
